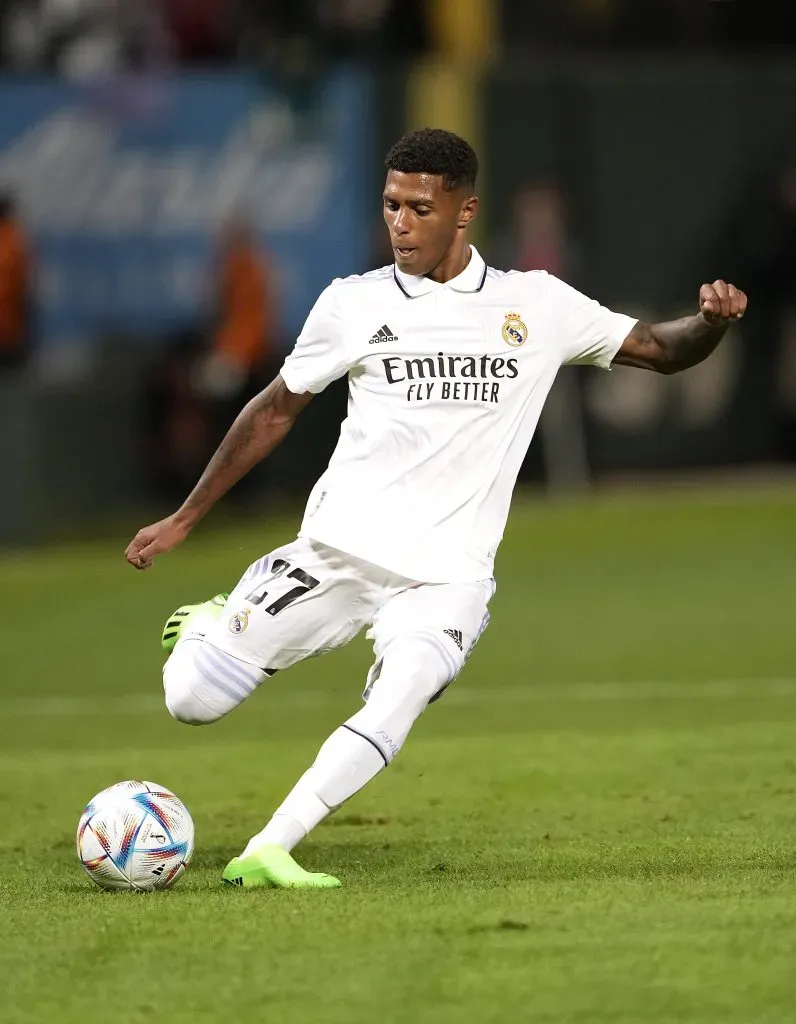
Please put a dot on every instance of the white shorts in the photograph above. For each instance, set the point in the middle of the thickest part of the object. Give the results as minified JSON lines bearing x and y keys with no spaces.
{"x":306,"y":598}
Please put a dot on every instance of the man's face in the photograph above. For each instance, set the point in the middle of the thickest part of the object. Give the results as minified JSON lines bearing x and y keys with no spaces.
{"x":423,"y":218}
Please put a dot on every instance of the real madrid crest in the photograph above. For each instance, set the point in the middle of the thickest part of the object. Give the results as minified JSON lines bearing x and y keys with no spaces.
{"x":514,"y":332}
{"x":239,"y":622}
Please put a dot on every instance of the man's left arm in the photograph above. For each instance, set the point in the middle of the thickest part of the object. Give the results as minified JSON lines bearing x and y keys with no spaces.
{"x":678,"y":344}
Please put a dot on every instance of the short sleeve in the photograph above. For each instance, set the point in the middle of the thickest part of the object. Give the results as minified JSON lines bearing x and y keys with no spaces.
{"x":319,"y":355}
{"x":586,"y":332}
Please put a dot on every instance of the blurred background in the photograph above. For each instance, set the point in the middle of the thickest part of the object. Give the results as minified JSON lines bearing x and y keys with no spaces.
{"x":179,"y":179}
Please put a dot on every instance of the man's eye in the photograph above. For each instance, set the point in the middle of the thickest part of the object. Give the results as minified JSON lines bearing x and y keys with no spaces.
{"x":422,"y":211}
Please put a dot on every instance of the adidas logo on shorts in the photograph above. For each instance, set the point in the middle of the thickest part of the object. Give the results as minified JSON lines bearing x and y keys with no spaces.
{"x":456,"y":636}
{"x":383,"y":334}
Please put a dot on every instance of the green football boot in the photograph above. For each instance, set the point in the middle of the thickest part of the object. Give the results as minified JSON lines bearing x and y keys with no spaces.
{"x":271,"y":866}
{"x":177,"y":621}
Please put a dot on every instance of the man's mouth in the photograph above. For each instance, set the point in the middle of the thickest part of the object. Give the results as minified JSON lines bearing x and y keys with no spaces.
{"x":404,"y":250}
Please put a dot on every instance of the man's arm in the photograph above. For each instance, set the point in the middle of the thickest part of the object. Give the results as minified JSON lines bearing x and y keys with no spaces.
{"x":677,"y":344}
{"x":257,"y":430}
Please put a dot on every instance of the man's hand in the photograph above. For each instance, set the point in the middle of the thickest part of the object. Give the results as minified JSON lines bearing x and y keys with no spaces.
{"x":259,"y":427}
{"x":156,"y":539}
{"x":721,"y":304}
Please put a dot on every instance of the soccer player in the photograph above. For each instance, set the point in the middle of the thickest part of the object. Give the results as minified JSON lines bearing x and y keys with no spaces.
{"x":449,"y":363}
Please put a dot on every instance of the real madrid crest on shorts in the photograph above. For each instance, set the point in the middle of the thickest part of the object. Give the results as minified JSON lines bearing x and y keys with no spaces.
{"x":514,"y":332}
{"x":239,"y":621}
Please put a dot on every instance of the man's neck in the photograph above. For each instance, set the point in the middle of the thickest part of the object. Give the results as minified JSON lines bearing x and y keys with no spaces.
{"x":452,"y":263}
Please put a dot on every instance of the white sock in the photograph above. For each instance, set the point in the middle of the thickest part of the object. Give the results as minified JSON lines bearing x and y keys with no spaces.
{"x":345,"y":763}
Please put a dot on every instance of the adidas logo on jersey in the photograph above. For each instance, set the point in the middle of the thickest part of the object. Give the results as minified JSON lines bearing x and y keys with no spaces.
{"x":456,"y":636}
{"x":383,"y":334}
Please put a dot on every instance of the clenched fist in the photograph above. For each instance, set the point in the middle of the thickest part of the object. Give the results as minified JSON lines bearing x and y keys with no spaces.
{"x":721,"y":303}
{"x":156,"y":539}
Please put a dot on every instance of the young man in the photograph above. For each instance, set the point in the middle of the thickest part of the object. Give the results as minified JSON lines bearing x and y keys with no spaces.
{"x":449,"y":364}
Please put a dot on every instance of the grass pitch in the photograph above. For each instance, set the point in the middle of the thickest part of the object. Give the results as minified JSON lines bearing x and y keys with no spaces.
{"x":597,"y":823}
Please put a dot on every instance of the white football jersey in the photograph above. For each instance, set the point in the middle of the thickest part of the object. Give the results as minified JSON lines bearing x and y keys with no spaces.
{"x":446,"y":386}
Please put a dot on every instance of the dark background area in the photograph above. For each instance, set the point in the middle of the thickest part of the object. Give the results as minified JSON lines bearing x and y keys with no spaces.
{"x":637,"y":149}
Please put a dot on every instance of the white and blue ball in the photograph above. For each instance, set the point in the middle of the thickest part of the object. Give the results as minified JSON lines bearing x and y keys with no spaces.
{"x":136,"y":836}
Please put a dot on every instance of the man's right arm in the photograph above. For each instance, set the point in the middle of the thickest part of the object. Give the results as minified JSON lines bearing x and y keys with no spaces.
{"x":257,"y":430}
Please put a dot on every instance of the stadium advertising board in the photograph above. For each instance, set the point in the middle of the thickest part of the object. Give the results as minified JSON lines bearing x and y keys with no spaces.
{"x":123,"y":185}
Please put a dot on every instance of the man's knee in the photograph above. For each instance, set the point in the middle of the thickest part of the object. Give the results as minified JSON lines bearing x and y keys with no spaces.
{"x":182,"y":688}
{"x":202,"y":684}
{"x":413,"y":672}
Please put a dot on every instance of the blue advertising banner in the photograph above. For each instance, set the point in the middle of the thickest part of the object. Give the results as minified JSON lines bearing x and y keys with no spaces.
{"x":124,"y":185}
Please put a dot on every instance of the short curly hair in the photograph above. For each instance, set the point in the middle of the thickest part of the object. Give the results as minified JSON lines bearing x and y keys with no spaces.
{"x":435,"y":151}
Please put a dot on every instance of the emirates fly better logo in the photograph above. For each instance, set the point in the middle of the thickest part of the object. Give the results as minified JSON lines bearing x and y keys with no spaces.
{"x":451,"y":378}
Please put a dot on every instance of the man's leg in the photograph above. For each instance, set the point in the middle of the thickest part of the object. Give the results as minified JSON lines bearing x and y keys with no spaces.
{"x":300,"y":600}
{"x":423,"y":637}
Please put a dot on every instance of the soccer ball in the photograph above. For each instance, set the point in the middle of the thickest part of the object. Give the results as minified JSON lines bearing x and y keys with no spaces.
{"x":136,"y":836}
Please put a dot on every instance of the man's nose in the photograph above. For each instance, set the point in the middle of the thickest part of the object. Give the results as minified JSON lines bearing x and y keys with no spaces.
{"x":399,"y":222}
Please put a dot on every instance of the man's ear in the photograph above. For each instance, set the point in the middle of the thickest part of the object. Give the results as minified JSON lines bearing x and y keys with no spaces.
{"x":469,"y":209}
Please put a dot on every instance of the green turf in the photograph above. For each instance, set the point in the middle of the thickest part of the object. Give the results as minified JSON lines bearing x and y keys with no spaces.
{"x":596,"y":824}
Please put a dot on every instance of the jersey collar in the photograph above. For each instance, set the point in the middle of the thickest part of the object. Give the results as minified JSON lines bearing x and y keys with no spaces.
{"x":471,"y":279}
